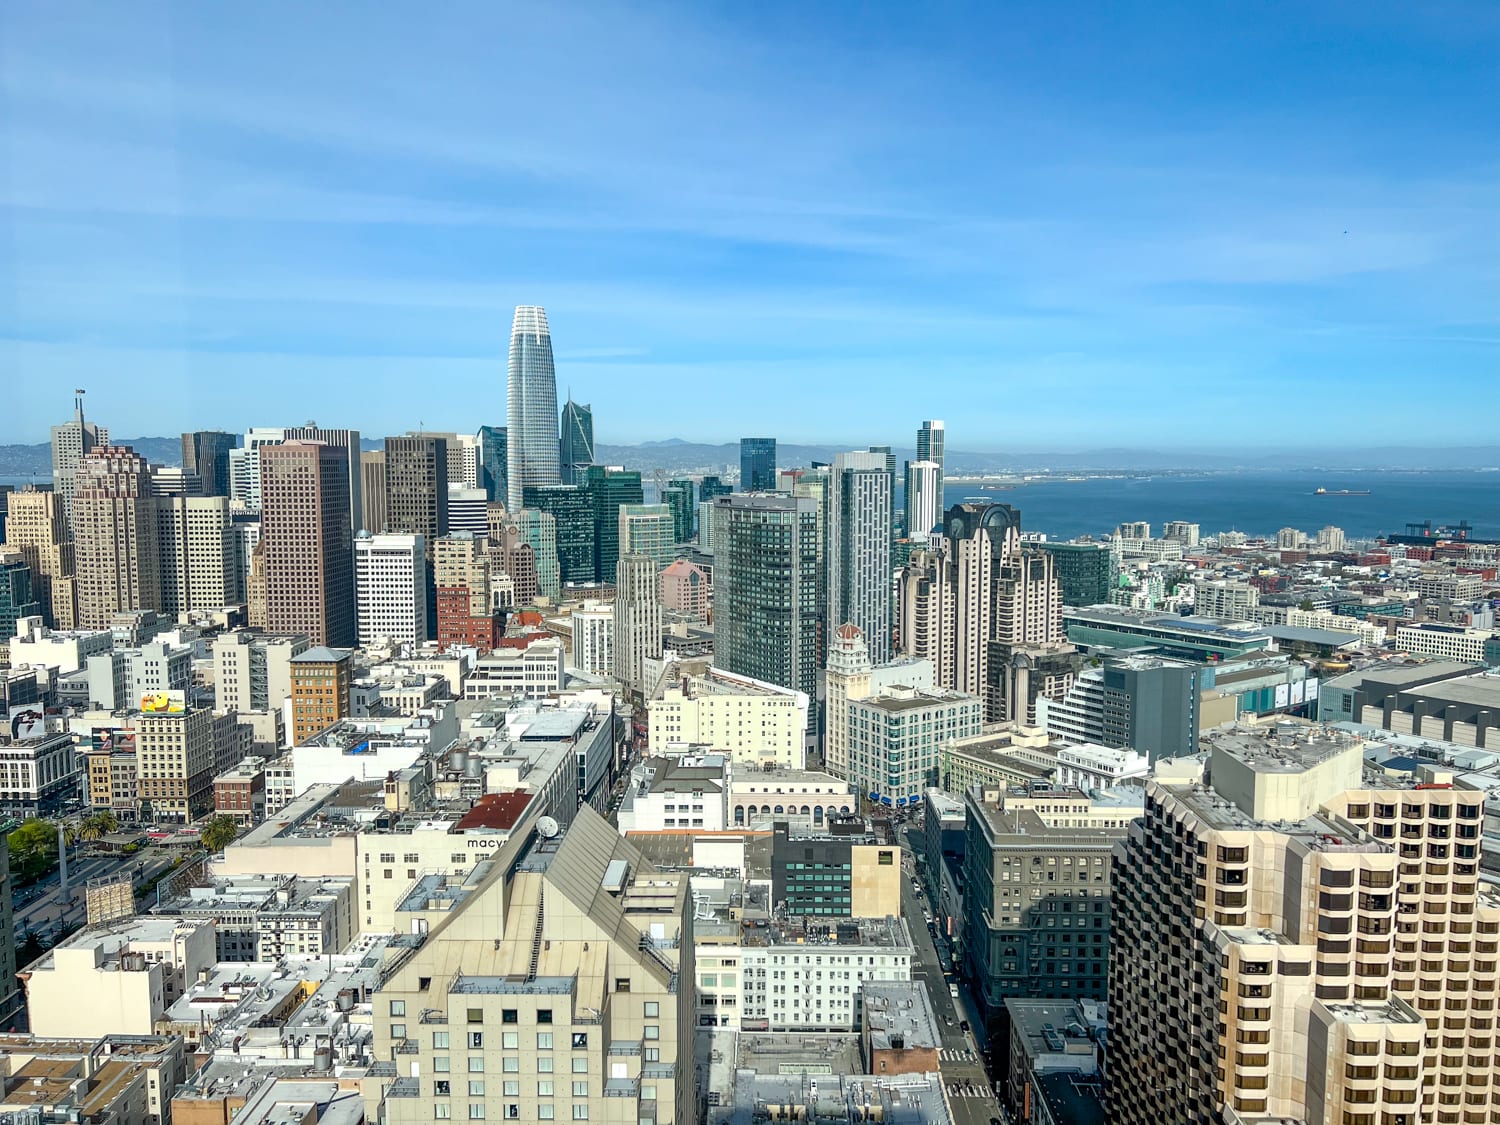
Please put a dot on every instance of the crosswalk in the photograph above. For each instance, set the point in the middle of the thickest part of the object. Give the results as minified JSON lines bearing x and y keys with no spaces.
{"x":956,"y":1054}
{"x":969,"y":1090}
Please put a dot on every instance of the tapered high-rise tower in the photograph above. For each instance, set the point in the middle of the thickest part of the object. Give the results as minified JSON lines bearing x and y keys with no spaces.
{"x":532,"y":453}
{"x":71,"y":442}
{"x":576,"y":441}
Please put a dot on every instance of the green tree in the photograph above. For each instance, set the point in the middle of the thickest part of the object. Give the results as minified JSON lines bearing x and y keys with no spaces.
{"x":30,"y":949}
{"x":33,"y":847}
{"x":219,"y":832}
{"x":1305,"y":605}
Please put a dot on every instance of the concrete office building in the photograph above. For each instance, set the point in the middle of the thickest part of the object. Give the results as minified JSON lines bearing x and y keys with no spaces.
{"x":416,"y":487}
{"x":593,"y":638}
{"x":1147,"y":703}
{"x":1180,"y":531}
{"x":372,"y":485}
{"x":987,"y":611}
{"x":637,"y":630}
{"x":843,"y":872}
{"x":1228,"y":601}
{"x":253,"y":672}
{"x":1297,"y":937}
{"x":1037,"y":868}
{"x":468,"y":511}
{"x":757,"y":464}
{"x":177,"y":757}
{"x":37,"y":774}
{"x":571,"y":948}
{"x":1055,"y":1076}
{"x":924,"y":483}
{"x":36,"y":526}
{"x":647,"y":529}
{"x":533,"y":672}
{"x":894,"y":739}
{"x":531,"y":422}
{"x":931,"y":442}
{"x":469,"y":610}
{"x":858,"y":548}
{"x":850,"y":676}
{"x":71,"y":442}
{"x":306,"y":544}
{"x":132,"y":971}
{"x":347,"y":442}
{"x":390,"y":582}
{"x":199,"y":566}
{"x":116,"y":534}
{"x":320,"y":690}
{"x":767,"y":589}
{"x":205,"y":455}
{"x":575,"y":441}
{"x":756,"y":723}
{"x":686,"y":589}
{"x":1450,"y":642}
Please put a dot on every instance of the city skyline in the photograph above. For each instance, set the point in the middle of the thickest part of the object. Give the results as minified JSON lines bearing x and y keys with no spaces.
{"x":1013,"y":204}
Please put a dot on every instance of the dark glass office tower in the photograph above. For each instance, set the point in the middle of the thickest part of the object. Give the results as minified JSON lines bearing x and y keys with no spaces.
{"x":492,"y":467}
{"x":571,"y":507}
{"x":767,"y":585}
{"x":576,"y":441}
{"x":205,"y":454}
{"x":757,"y":464}
{"x":608,"y":489}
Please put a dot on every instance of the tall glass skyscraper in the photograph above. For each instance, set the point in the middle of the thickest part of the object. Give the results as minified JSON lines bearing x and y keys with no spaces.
{"x":531,"y":429}
{"x":766,"y":589}
{"x":930,"y":438}
{"x":576,"y":442}
{"x":492,"y":461}
{"x":858,"y":548}
{"x":757,"y":464}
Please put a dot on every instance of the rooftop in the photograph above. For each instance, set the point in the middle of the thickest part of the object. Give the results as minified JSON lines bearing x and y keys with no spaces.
{"x":323,"y":655}
{"x":899,"y":1016}
{"x":495,"y":812}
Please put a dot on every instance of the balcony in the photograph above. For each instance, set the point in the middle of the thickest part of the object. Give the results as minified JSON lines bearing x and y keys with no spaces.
{"x":621,"y":1087}
{"x":404,"y":1088}
{"x":625,"y":1047}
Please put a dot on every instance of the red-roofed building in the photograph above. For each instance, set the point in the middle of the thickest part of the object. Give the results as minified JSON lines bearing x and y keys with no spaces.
{"x":495,"y":812}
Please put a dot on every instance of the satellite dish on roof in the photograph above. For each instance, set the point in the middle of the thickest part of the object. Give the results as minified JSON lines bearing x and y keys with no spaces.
{"x":547,"y":827}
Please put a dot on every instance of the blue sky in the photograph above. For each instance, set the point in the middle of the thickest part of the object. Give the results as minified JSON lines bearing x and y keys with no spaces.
{"x":1056,"y":226}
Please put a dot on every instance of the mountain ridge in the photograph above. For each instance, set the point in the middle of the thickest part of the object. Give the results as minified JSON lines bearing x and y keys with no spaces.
{"x":679,"y":455}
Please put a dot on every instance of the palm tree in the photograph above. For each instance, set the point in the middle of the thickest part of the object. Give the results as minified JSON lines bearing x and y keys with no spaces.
{"x":109,"y":823}
{"x":90,"y":828}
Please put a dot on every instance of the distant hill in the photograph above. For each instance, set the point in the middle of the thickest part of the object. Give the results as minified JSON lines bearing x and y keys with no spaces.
{"x":27,"y":460}
{"x":678,"y":455}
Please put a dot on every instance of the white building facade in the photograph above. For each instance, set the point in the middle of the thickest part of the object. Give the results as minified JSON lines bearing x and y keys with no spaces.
{"x":391,"y":587}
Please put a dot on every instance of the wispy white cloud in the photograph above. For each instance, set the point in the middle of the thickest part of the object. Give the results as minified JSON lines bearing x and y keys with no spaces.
{"x":697,"y":194}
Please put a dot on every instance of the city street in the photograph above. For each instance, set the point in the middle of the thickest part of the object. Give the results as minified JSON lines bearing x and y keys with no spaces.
{"x":962,"y":1062}
{"x":44,"y":912}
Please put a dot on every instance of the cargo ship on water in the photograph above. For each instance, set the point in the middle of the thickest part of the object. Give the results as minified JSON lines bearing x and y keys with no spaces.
{"x":1341,"y":492}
